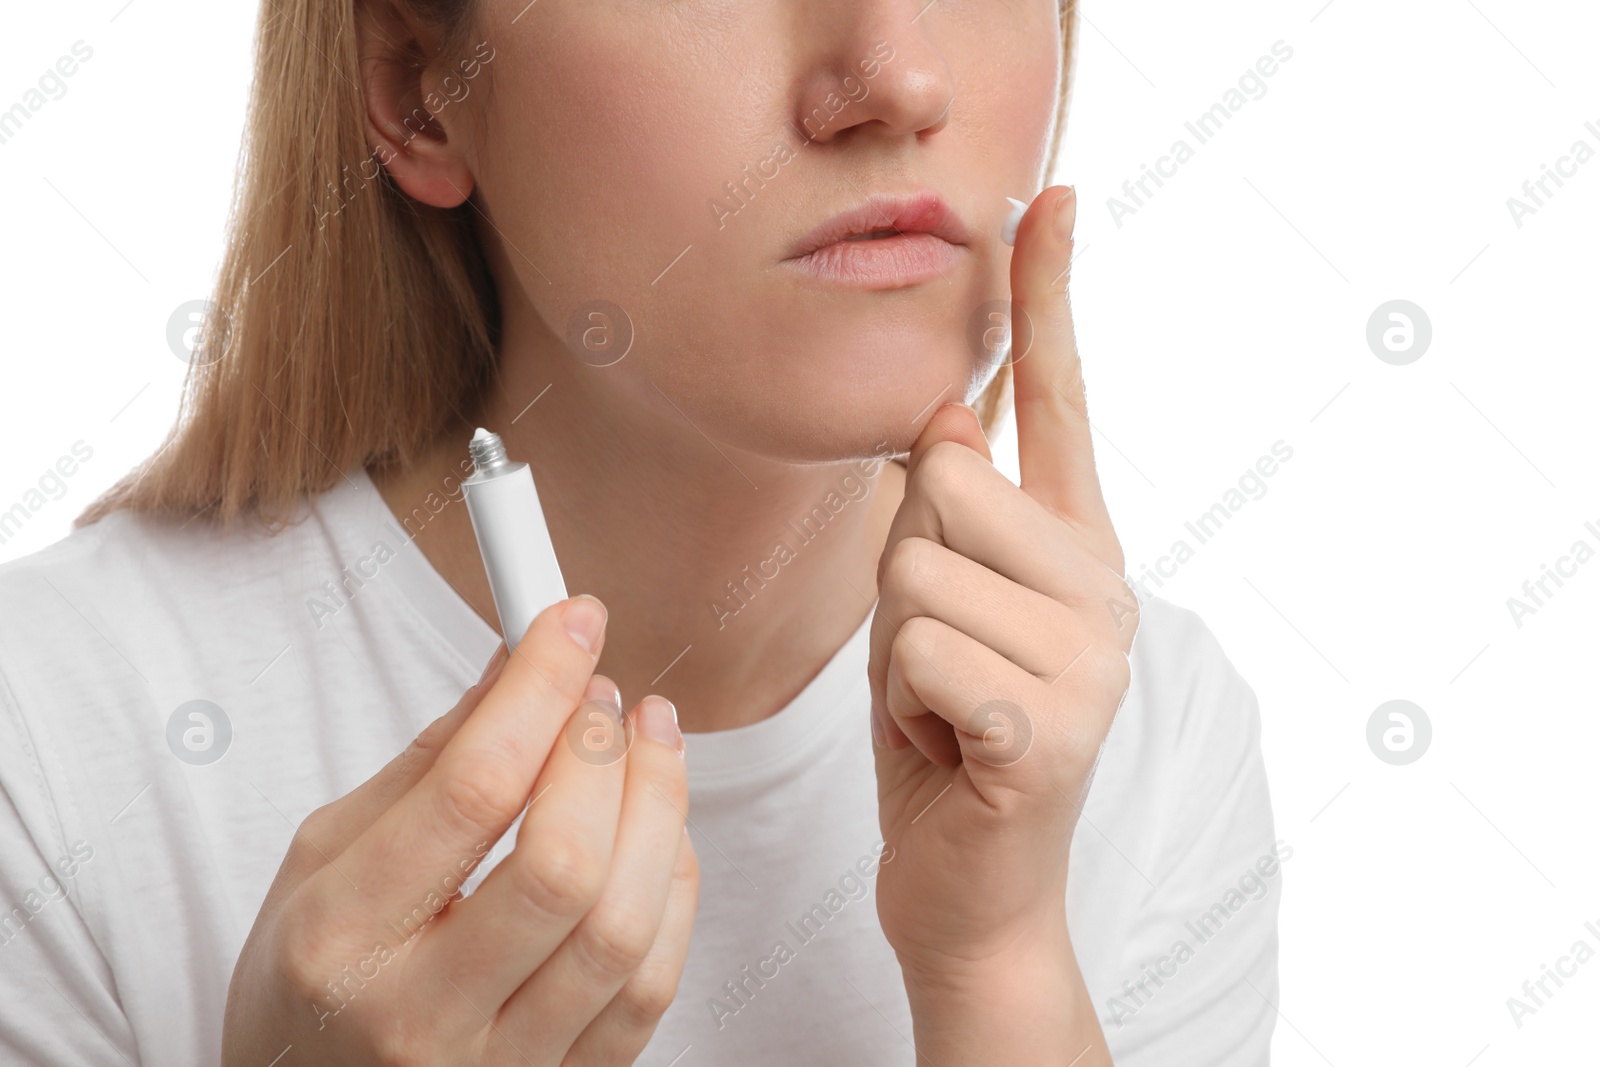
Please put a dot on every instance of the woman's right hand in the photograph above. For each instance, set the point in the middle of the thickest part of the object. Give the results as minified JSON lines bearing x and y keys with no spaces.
{"x":570,"y":950}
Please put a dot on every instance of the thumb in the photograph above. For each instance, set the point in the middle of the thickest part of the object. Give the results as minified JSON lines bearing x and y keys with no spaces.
{"x":953,"y":422}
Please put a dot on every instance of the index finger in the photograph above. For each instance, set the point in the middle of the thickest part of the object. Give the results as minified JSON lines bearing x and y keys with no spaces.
{"x":1054,"y":443}
{"x":481,"y":779}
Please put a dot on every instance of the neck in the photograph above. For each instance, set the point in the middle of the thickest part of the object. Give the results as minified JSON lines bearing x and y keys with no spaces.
{"x":730,"y":578}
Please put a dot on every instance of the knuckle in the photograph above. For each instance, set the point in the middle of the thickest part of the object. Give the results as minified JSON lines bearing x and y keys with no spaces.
{"x":556,"y":659}
{"x":666,"y":779}
{"x":429,"y":742}
{"x":1113,"y":586}
{"x":672,"y":791}
{"x":480,"y":800}
{"x":1128,"y":626}
{"x":616,"y":938}
{"x":910,"y":559}
{"x":398,"y":1044}
{"x":646,"y":996}
{"x":302,"y":940}
{"x":1122,"y":612}
{"x":686,"y":868}
{"x":1053,"y":307}
{"x":918,"y":638}
{"x":314,"y":828}
{"x":941,"y":468}
{"x":1112,"y":670}
{"x":560,"y":877}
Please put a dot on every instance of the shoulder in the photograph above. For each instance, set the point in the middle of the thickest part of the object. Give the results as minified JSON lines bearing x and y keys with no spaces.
{"x":107,"y":635}
{"x":1183,"y":682}
{"x":60,"y":599}
{"x":126,"y":586}
{"x":94,"y":626}
{"x":1185,"y":862}
{"x":127,"y":550}
{"x":127,"y":615}
{"x":1183,"y":755}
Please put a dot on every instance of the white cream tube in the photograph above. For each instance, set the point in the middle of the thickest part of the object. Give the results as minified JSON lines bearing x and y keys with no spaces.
{"x":512,"y":536}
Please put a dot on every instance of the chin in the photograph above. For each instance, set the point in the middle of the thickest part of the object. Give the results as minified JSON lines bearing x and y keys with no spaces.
{"x":798,"y":373}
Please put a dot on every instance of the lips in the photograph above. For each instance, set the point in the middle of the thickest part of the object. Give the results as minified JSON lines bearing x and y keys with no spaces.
{"x":884,"y":242}
{"x":883,"y":216}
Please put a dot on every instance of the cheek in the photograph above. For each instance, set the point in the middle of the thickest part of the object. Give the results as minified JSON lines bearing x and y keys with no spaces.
{"x":1010,"y":95}
{"x":603,"y":155}
{"x":602,"y":160}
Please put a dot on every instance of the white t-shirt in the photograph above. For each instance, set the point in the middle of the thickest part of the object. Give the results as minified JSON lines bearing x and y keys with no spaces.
{"x":131,"y":869}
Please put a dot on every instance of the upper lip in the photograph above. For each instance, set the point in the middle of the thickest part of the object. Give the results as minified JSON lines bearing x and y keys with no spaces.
{"x":921,"y":212}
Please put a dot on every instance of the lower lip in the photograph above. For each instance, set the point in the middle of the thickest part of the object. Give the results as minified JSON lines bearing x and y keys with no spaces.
{"x":896,"y":262}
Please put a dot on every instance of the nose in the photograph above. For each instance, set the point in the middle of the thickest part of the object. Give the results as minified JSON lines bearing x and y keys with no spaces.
{"x":868,"y":68}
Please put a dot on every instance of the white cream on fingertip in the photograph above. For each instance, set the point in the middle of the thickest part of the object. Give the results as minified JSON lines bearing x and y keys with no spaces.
{"x":1008,"y":232}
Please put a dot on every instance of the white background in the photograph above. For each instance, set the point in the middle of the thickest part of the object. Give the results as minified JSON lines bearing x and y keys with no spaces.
{"x":1226,"y":314}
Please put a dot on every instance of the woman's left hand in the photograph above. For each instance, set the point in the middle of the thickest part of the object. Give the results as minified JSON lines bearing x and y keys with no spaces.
{"x":999,"y":657}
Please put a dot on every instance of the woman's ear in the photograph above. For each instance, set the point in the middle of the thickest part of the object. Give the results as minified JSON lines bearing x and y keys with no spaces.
{"x":416,"y":130}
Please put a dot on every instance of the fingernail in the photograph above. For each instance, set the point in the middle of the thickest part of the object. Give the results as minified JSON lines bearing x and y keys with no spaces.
{"x":496,"y":661}
{"x":585,"y":621}
{"x":604,"y":696}
{"x":658,"y":719}
{"x":878,"y":740}
{"x":1066,"y":215}
{"x":1008,"y":232}
{"x":602,"y":690}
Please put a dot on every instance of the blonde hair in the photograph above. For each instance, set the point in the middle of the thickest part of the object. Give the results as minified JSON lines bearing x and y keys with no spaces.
{"x":350,"y":324}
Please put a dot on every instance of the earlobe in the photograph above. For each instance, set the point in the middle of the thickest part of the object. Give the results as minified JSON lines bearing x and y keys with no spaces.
{"x":407,"y":123}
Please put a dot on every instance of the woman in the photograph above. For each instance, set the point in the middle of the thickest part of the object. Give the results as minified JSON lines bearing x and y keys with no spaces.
{"x":706,"y":266}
